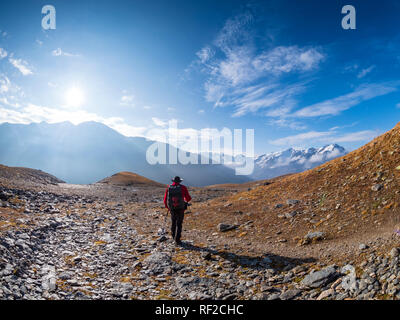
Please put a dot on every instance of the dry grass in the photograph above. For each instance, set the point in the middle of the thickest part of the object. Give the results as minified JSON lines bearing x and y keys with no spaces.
{"x":335,"y":198}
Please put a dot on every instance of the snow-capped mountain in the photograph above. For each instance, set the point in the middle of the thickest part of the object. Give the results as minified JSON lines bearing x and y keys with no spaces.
{"x":294,"y":160}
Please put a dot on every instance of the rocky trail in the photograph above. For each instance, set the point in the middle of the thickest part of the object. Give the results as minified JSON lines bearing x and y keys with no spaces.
{"x":67,"y":246}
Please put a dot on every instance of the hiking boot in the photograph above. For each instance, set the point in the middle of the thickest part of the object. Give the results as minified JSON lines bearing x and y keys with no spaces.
{"x":178,"y":242}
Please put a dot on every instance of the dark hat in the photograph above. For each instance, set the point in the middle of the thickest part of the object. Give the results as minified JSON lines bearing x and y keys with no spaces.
{"x":177,"y":179}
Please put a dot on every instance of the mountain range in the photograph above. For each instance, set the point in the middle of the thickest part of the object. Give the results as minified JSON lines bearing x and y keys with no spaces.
{"x":293,"y":160}
{"x":91,"y":151}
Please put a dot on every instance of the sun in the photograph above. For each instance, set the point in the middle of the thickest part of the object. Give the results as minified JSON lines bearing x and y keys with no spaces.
{"x":74,"y":97}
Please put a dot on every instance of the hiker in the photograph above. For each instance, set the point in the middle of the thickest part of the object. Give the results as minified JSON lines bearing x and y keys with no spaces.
{"x":174,"y":200}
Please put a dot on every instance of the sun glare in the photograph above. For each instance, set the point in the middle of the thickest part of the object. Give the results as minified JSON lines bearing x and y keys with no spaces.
{"x":74,"y":97}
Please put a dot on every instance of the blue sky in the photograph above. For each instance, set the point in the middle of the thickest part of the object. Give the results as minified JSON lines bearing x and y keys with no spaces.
{"x":286,"y":69}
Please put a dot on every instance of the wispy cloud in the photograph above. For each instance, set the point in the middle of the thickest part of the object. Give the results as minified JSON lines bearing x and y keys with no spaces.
{"x":127,"y":100}
{"x":337,"y":105}
{"x":247,"y":77}
{"x":35,"y":113}
{"x":278,"y":99}
{"x":158,"y":122}
{"x":22,"y":66}
{"x":59,"y":52}
{"x":288,"y":59}
{"x":3,"y":53}
{"x":286,"y":123}
{"x":331,"y":136}
{"x":365,"y":71}
{"x":205,"y":54}
{"x":269,"y":80}
{"x":5,"y":84}
{"x":302,"y":137}
{"x":159,"y":129}
{"x":7,"y":102}
{"x":365,"y":135}
{"x":359,"y":71}
{"x":125,"y":129}
{"x":10,"y":93}
{"x":351,"y":68}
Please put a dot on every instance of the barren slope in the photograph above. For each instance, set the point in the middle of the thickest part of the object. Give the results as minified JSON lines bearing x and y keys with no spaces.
{"x":26,"y":175}
{"x":350,"y":199}
{"x":104,"y":241}
{"x":130,"y":179}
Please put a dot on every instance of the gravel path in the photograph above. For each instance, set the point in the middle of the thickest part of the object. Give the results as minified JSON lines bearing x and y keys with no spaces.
{"x":70,"y":246}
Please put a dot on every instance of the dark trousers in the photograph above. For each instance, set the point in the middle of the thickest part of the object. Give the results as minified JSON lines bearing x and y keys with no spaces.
{"x":176,"y":225}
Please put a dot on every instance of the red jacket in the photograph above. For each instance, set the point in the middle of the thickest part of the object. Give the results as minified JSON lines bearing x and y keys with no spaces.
{"x":185,"y":194}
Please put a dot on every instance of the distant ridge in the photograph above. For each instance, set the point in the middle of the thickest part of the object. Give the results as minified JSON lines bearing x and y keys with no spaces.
{"x":90,"y":151}
{"x":354,"y":196}
{"x":293,"y":160}
{"x":27,"y":175}
{"x":126,"y":178}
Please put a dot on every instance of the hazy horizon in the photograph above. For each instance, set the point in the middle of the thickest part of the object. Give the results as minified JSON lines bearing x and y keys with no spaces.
{"x":135,"y":66}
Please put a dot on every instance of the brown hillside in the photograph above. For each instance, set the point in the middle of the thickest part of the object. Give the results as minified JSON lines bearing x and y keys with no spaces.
{"x":130,"y":179}
{"x":26,"y":175}
{"x":245,"y":185}
{"x":336,"y":198}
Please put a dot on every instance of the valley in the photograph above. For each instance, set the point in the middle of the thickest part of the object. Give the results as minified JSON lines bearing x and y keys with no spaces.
{"x":331,"y":232}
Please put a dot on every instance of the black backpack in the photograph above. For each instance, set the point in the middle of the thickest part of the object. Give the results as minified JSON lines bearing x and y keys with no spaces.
{"x":175,"y":198}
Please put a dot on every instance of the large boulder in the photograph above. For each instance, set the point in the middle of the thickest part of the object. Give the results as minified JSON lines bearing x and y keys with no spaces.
{"x":292,"y":202}
{"x":318,"y":279}
{"x":223,"y":227}
{"x":48,"y":278}
{"x":159,"y":263}
{"x":312,"y":237}
{"x":349,"y":282}
{"x":4,"y":196}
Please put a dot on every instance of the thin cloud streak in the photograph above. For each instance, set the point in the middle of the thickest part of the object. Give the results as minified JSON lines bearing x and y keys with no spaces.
{"x":325,"y":137}
{"x":21,"y":65}
{"x":60,"y":53}
{"x":247,"y":78}
{"x":335,"y":106}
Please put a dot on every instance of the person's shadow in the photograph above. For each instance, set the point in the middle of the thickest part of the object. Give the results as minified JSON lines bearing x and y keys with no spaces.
{"x":265,"y":261}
